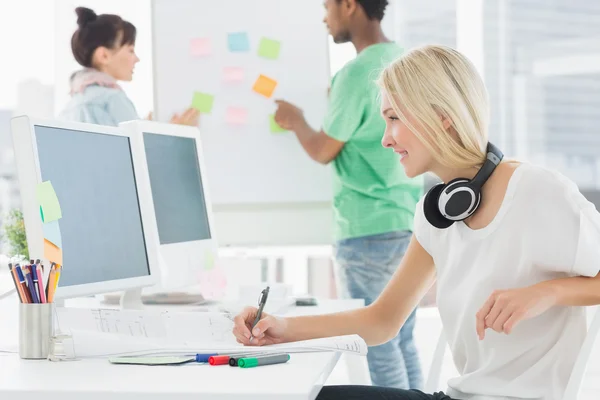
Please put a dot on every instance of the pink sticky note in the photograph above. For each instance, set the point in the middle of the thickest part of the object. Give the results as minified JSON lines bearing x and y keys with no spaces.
{"x":233,"y":74}
{"x":200,"y":47}
{"x":236,"y":115}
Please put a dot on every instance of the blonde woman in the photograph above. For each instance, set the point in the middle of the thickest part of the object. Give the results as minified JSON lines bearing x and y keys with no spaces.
{"x":513,"y":270}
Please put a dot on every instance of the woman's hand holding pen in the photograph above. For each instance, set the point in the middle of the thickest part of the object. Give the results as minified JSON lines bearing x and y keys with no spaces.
{"x":269,"y":330}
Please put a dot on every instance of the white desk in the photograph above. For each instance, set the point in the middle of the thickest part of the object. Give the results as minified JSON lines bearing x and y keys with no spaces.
{"x":301,"y":378}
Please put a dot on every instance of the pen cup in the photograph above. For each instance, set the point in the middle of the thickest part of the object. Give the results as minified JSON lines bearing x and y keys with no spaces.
{"x":35,"y":330}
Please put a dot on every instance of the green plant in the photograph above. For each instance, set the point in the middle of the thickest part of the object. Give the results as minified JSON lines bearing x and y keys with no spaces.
{"x":15,"y":234}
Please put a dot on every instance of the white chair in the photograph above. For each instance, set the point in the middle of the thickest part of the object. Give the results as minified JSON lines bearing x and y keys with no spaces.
{"x":574,"y":384}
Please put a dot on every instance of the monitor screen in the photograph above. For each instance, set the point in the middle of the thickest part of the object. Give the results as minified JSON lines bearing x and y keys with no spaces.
{"x":177,"y":189}
{"x":101,"y":225}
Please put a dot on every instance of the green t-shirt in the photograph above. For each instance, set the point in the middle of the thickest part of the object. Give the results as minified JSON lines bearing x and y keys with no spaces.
{"x":372,"y":195}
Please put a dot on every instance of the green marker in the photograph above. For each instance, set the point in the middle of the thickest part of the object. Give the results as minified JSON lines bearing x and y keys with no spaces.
{"x":265,"y":360}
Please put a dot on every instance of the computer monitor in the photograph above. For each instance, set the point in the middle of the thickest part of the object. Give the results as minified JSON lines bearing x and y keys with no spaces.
{"x":107,"y":225}
{"x":181,"y":199}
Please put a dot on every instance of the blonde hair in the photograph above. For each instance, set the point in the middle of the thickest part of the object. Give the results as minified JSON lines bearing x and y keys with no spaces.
{"x":432,"y":82}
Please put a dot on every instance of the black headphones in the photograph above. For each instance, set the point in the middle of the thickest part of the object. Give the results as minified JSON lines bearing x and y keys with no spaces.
{"x":457,"y":200}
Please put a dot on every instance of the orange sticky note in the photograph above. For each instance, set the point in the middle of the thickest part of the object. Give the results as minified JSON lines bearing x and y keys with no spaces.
{"x":52,"y":253}
{"x":236,"y":115}
{"x":265,"y":86}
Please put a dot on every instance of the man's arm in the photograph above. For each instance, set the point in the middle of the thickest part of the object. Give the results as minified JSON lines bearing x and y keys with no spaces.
{"x":319,"y":146}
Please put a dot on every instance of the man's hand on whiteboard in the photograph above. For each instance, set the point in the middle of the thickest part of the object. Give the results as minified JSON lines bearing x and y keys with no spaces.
{"x":288,"y":116}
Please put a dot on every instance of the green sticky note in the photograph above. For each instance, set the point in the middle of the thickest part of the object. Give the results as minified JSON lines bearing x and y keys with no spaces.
{"x":269,"y":48}
{"x":203,"y":102}
{"x":209,"y":260}
{"x":275,"y":128}
{"x":49,"y":205}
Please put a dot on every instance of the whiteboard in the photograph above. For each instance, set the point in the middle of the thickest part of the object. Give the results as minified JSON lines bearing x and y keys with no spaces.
{"x":246,"y":163}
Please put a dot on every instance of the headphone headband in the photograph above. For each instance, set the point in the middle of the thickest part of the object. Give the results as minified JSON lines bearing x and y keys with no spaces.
{"x":493,"y":158}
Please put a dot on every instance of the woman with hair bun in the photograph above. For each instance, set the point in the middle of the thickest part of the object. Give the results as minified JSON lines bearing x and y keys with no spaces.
{"x":104,"y":45}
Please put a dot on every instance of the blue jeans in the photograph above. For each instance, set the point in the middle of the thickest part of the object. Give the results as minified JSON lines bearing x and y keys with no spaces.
{"x":365,"y":266}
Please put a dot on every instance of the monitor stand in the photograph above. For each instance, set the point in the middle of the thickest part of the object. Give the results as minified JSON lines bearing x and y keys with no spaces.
{"x":131,"y":299}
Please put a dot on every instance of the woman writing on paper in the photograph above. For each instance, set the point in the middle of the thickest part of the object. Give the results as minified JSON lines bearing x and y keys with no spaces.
{"x":104,"y":45}
{"x":513,"y":267}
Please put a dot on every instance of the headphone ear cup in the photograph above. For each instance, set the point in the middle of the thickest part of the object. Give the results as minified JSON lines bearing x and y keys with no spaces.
{"x":432,"y":210}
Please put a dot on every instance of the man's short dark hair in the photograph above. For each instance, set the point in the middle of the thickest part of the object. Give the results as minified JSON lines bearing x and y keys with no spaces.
{"x":374,"y":9}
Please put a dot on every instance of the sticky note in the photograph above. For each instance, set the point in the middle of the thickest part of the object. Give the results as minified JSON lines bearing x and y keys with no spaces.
{"x":269,"y":48}
{"x":265,"y":86}
{"x":233,"y":74}
{"x":52,"y":233}
{"x":209,"y":260}
{"x":236,"y":116}
{"x":46,"y":197}
{"x":275,"y":128}
{"x":52,"y":253}
{"x":203,"y":102}
{"x":200,"y":47}
{"x":238,"y":42}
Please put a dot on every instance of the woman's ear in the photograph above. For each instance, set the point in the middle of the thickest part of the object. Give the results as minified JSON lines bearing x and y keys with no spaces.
{"x":446,"y":122}
{"x":100,"y":57}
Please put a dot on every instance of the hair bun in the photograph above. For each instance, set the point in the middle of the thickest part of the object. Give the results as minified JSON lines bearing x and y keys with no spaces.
{"x":84,"y":16}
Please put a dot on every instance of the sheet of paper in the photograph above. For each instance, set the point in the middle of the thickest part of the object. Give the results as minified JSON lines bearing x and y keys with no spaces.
{"x":264,"y":86}
{"x":160,"y":360}
{"x":52,"y":253}
{"x":200,"y":47}
{"x":236,"y":116}
{"x":274,"y":126}
{"x":48,"y":201}
{"x":238,"y":42}
{"x":52,"y":233}
{"x":269,"y":48}
{"x":203,"y":102}
{"x":233,"y":74}
{"x":353,"y":344}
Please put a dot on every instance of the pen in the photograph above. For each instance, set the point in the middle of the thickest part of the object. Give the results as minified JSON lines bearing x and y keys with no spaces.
{"x":33,"y":281}
{"x":261,"y":305}
{"x":21,"y":279}
{"x":233,"y":360}
{"x":40,"y":282}
{"x":264,"y":360}
{"x":223,"y":358}
{"x":15,"y":276}
{"x":202,"y":358}
{"x":30,"y":284}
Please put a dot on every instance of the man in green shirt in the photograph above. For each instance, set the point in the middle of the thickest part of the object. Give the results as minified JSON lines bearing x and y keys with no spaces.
{"x":374,"y":201}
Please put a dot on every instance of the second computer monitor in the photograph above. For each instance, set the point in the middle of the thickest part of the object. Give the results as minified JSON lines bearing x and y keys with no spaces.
{"x":181,"y":200}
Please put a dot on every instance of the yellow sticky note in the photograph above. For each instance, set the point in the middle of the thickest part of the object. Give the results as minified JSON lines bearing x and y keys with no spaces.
{"x":46,"y":197}
{"x":275,"y":128}
{"x":265,"y":86}
{"x":52,"y":253}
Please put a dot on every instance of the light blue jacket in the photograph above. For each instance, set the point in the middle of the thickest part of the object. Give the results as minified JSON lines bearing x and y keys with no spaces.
{"x":97,"y":99}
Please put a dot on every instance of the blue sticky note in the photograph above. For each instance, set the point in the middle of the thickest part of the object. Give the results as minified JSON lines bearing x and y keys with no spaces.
{"x":238,"y":42}
{"x":52,"y":233}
